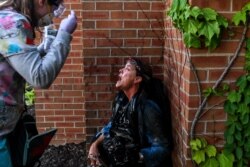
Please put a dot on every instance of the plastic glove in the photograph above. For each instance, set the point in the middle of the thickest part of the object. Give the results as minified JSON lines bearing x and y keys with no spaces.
{"x":48,"y":37}
{"x":69,"y":24}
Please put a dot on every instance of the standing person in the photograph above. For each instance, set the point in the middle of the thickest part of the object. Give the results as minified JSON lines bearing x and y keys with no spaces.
{"x":126,"y":141}
{"x":21,"y":60}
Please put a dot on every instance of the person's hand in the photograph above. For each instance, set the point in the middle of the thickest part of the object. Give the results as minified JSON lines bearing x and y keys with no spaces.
{"x":69,"y":24}
{"x":48,"y":37}
{"x":94,"y":156}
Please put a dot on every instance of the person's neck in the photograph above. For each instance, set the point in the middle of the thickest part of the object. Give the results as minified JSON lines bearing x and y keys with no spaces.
{"x":130,"y":92}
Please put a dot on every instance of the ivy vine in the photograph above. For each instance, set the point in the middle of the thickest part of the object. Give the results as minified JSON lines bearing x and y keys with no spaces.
{"x":200,"y":26}
{"x":206,"y":155}
{"x":203,"y":27}
{"x":237,"y":107}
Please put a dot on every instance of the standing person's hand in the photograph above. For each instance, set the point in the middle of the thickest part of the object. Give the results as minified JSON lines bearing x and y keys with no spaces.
{"x":69,"y":24}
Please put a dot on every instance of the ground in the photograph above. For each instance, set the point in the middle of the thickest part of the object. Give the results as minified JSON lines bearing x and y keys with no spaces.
{"x":68,"y":155}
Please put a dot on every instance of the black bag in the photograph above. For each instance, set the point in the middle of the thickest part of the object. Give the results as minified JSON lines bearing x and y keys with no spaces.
{"x":26,"y":145}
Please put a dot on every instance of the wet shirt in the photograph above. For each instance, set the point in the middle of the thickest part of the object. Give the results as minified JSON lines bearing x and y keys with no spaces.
{"x":123,"y":123}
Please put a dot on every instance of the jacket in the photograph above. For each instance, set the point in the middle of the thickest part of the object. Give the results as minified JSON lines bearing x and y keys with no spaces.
{"x":153,"y":142}
{"x":21,"y":61}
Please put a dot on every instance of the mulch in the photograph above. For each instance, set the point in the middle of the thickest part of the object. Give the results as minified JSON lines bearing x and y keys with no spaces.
{"x":68,"y":155}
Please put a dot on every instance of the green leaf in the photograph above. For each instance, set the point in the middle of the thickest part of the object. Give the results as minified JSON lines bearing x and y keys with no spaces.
{"x":244,"y":118}
{"x":209,"y":29}
{"x":209,"y":14}
{"x":243,"y":109}
{"x":239,"y":153}
{"x":225,"y":160}
{"x":247,"y":66}
{"x":229,"y":148}
{"x":222,"y":21}
{"x":191,"y":40}
{"x":191,"y":26}
{"x":195,"y":144}
{"x":231,"y":119}
{"x":209,"y":92}
{"x":247,"y":96}
{"x":195,"y":12}
{"x":211,"y":162}
{"x":203,"y":143}
{"x":233,"y":96}
{"x":231,"y":129}
{"x":239,"y":17}
{"x":230,"y":107}
{"x":247,"y":134}
{"x":246,"y":7}
{"x":211,"y":151}
{"x":199,"y":156}
{"x":230,"y":139}
{"x":182,"y":4}
{"x":238,"y":136}
{"x":242,"y":83}
{"x":247,"y":146}
{"x":226,"y":87}
{"x":212,"y":43}
{"x":238,"y":126}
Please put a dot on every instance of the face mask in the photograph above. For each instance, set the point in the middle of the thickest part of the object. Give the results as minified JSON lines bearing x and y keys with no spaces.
{"x":48,"y":18}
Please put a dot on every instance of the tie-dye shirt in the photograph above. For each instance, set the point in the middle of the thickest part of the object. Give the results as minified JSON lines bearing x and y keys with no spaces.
{"x":15,"y":37}
{"x":21,"y":61}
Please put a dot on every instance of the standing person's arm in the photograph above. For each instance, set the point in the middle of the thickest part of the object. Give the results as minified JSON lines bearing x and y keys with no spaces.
{"x":157,"y":150}
{"x":39,"y":71}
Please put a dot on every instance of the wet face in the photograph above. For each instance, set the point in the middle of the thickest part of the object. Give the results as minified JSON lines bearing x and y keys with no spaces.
{"x":127,"y":77}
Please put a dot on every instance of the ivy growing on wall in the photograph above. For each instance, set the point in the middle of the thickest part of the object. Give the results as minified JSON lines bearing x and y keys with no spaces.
{"x":200,"y":26}
{"x":203,"y":27}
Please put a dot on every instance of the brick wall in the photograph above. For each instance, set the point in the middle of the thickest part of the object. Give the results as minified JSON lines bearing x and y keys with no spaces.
{"x":108,"y":32}
{"x":209,"y":66}
{"x":113,"y":31}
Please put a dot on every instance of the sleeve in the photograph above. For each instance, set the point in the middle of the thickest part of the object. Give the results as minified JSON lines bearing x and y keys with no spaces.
{"x":157,"y":151}
{"x":37,"y":69}
{"x":105,"y":131}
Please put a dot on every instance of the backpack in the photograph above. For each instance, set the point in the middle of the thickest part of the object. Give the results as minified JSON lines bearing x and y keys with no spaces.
{"x":26,"y":144}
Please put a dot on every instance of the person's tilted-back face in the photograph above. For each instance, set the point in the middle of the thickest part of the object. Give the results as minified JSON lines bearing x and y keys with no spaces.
{"x":128,"y":76}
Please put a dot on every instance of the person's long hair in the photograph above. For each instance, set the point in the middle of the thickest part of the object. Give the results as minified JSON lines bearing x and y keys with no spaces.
{"x":24,"y":7}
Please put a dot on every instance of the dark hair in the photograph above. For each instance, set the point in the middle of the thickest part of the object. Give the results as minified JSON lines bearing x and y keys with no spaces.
{"x":55,"y":2}
{"x":24,"y":7}
{"x":142,"y":69}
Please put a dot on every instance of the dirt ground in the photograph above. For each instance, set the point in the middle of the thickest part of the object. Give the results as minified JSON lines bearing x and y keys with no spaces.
{"x":68,"y":155}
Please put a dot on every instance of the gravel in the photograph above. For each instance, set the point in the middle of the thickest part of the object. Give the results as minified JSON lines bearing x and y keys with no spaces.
{"x":68,"y":155}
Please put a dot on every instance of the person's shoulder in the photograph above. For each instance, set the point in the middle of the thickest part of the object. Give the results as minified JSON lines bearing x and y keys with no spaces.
{"x":151,"y":103}
{"x":10,"y":19}
{"x":12,"y":14}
